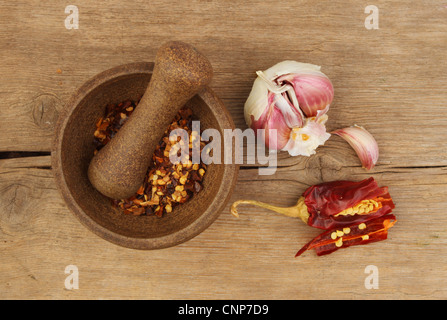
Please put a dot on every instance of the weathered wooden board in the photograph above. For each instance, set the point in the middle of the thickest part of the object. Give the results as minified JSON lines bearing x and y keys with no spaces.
{"x":391,"y":80}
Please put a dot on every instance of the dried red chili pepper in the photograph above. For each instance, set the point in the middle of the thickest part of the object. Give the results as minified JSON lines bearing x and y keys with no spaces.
{"x":339,"y":203}
{"x":356,"y":234}
{"x":353,"y":213}
{"x":335,"y":204}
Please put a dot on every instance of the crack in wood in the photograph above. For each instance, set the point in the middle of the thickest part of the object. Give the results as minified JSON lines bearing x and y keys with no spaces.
{"x":319,"y":166}
{"x":22,"y":154}
{"x":419,"y":167}
{"x":254,"y":167}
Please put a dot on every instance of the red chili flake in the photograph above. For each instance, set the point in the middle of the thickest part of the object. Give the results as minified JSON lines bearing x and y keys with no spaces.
{"x":166,"y":185}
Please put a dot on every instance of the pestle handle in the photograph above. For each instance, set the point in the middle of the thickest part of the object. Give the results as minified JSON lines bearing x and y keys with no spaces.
{"x":119,"y":168}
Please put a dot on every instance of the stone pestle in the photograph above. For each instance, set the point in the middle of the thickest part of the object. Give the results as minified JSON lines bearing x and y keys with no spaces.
{"x":119,"y":168}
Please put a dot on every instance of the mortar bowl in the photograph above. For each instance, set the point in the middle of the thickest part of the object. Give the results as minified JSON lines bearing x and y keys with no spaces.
{"x":73,"y":149}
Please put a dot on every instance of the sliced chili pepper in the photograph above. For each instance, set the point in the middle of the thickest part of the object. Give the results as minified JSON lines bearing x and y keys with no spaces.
{"x":355,"y":234}
{"x":340,"y":203}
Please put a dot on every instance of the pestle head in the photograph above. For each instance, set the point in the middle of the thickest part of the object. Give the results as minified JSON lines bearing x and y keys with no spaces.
{"x":119,"y":168}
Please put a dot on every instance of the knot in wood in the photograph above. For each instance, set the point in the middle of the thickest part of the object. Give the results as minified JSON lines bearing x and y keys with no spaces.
{"x":44,"y":109}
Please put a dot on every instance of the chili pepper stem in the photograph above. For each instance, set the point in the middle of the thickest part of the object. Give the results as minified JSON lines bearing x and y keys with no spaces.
{"x":297,"y":211}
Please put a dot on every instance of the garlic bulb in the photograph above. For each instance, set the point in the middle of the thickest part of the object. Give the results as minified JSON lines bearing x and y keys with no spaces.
{"x":292,"y":98}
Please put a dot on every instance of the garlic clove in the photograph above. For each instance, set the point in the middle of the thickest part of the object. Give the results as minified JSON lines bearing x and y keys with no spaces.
{"x":290,"y":66}
{"x":276,"y":131}
{"x":292,"y":116}
{"x":278,"y":115}
{"x":313,"y":91}
{"x":363,"y":144}
{"x":257,"y":102}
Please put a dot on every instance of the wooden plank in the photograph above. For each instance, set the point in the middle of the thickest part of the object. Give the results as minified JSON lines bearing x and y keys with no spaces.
{"x":252,"y":256}
{"x":382,"y":78}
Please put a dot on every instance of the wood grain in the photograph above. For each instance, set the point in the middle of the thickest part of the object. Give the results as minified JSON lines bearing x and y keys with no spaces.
{"x":391,"y":80}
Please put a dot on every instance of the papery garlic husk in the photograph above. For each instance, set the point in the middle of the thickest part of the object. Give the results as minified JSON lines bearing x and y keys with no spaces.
{"x":363,"y":144}
{"x":293,"y":99}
